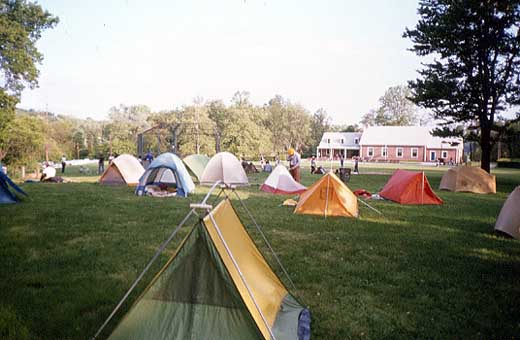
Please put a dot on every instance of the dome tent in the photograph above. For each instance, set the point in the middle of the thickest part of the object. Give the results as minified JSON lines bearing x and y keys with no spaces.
{"x":124,"y":169}
{"x":280,"y":181}
{"x":196,"y":164}
{"x":226,"y":168}
{"x":508,"y":220}
{"x":6,"y":196}
{"x":468,"y":179}
{"x":168,"y":169}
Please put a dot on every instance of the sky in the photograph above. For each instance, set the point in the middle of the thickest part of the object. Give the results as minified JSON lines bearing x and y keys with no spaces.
{"x":340,"y":55}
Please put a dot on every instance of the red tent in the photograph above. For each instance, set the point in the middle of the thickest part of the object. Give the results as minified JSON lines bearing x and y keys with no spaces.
{"x":409,"y":187}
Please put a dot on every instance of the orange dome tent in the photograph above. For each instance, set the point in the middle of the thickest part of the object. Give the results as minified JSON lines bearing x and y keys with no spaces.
{"x":409,"y":187}
{"x":329,"y":196}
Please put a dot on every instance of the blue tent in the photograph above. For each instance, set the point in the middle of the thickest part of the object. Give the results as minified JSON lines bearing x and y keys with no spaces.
{"x":6,"y":196}
{"x":166,"y":169}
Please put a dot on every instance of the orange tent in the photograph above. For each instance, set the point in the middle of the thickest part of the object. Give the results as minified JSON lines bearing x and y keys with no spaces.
{"x":409,"y":187}
{"x":329,"y":196}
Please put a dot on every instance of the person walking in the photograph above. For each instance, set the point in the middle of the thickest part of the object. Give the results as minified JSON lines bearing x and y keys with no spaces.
{"x":63,"y":164}
{"x":294,"y":164}
{"x":101,"y":164}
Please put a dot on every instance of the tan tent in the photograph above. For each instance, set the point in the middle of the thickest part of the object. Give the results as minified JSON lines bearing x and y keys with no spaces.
{"x":226,"y":168}
{"x":509,"y":219}
{"x":124,"y":169}
{"x":329,"y":196}
{"x":468,"y":179}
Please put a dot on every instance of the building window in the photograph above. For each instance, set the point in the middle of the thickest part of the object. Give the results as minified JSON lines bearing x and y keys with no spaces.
{"x":370,"y":152}
{"x":342,"y":141}
{"x":433,"y":156}
{"x":384,"y":151}
{"x":444,"y":154}
{"x":415,"y":152}
{"x":399,"y":152}
{"x":328,"y":140}
{"x":356,"y":141}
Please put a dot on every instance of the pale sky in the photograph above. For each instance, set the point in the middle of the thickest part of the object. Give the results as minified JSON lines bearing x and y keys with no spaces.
{"x":337,"y":54}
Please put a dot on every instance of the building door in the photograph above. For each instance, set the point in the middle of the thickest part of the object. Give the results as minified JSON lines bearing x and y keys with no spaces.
{"x":433,"y":156}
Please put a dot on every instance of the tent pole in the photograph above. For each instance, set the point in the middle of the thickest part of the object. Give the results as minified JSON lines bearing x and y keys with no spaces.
{"x":371,"y":207}
{"x":327,"y":198}
{"x":217,"y":228}
{"x":422,"y":189}
{"x":132,"y":287}
{"x":265,"y":239}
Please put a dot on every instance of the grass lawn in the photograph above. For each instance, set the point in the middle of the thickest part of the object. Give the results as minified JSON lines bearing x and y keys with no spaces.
{"x":70,"y":251}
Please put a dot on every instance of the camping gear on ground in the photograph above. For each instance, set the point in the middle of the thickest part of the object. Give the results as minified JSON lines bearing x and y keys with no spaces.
{"x":124,"y":169}
{"x":280,"y":181}
{"x":290,"y":202}
{"x":409,"y":187}
{"x":508,"y":220}
{"x":467,"y":178}
{"x":196,"y":164}
{"x":363,"y":193}
{"x":6,"y":196}
{"x":328,"y":196}
{"x":217,"y":285}
{"x":167,"y":169}
{"x":226,"y":168}
{"x":48,"y":173}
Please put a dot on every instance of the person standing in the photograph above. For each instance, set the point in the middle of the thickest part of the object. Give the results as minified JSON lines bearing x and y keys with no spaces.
{"x":313,"y":164}
{"x":356,"y":169}
{"x":294,"y":164}
{"x":341,"y":160}
{"x":63,"y":164}
{"x":110,"y":159}
{"x":101,"y":164}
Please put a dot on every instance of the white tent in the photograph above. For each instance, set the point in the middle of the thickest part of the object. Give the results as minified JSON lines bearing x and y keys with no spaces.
{"x":509,"y":219}
{"x":124,"y":169}
{"x":280,"y":181}
{"x":226,"y":168}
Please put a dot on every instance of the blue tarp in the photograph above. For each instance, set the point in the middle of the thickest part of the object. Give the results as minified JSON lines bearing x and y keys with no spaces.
{"x":169,"y":161}
{"x":6,"y":196}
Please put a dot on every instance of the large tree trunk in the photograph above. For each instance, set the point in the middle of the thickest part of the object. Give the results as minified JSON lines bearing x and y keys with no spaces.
{"x":485,"y":145}
{"x":217,"y":142}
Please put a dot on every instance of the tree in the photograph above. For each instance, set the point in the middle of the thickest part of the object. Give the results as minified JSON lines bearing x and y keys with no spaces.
{"x":320,"y":123}
{"x":21,"y":25}
{"x":25,"y":141}
{"x":475,"y":71}
{"x":395,"y":108}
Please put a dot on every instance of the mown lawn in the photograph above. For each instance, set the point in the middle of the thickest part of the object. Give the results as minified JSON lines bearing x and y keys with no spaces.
{"x":70,"y":251}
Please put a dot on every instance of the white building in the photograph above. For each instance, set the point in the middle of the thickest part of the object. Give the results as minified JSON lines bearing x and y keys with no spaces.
{"x":338,"y":144}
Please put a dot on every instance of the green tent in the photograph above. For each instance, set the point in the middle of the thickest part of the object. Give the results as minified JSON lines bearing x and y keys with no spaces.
{"x":196,"y":164}
{"x":217,"y":285}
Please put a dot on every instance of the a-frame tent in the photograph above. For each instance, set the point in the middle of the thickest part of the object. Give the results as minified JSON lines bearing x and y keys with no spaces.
{"x":508,"y":220}
{"x":196,"y":164}
{"x":124,"y":169}
{"x":217,"y":285}
{"x":226,"y":168}
{"x":328,"y":196}
{"x":281,"y":182}
{"x":6,"y":196}
{"x":409,"y":187}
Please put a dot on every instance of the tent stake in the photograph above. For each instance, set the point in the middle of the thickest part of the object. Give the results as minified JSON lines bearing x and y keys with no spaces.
{"x":265,"y":240}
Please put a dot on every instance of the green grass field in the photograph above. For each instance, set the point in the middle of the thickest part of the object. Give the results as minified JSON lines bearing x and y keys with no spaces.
{"x":70,"y":251}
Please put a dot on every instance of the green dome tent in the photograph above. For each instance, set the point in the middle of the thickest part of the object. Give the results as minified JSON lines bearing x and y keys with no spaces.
{"x":196,"y":164}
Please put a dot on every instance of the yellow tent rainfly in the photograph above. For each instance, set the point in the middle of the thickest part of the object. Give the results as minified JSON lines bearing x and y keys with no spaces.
{"x":217,"y":285}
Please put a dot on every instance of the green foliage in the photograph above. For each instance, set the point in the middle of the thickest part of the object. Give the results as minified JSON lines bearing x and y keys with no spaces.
{"x":476,"y":63}
{"x":395,"y":109}
{"x":21,"y":25}
{"x":25,"y":140}
{"x":11,"y":327}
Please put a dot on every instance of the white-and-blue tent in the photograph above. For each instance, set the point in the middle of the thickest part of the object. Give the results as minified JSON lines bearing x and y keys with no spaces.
{"x":167,"y":169}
